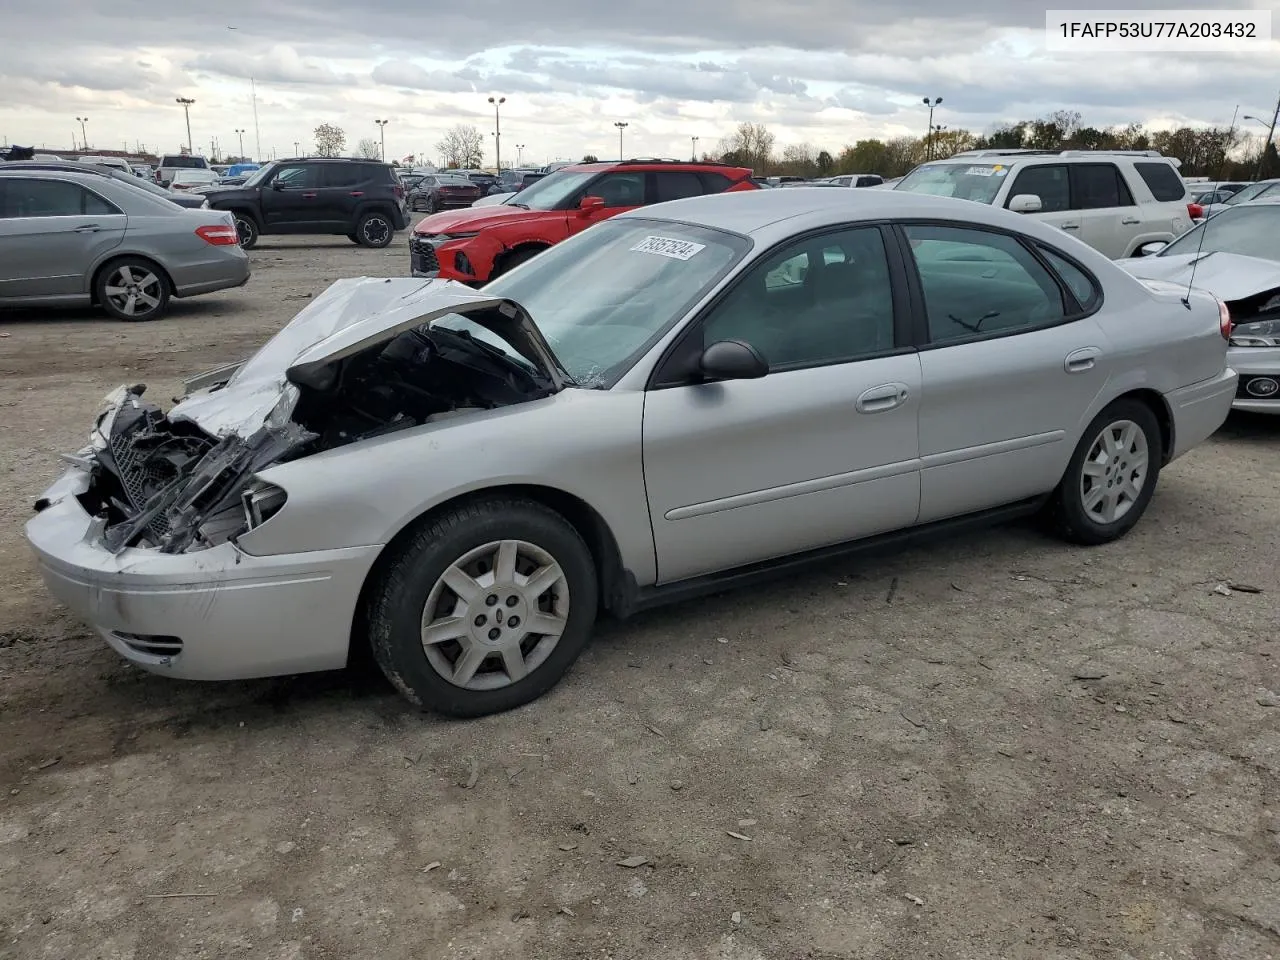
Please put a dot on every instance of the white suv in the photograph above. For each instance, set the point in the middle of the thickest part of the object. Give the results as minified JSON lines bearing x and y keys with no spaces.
{"x":1115,"y":201}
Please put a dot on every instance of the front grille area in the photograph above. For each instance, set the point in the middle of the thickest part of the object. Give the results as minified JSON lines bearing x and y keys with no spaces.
{"x":137,"y":478}
{"x":1258,"y":388}
{"x":422,"y":255}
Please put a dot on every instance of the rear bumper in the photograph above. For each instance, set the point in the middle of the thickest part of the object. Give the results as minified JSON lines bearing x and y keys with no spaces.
{"x":1200,"y":409}
{"x":216,"y":614}
{"x":229,"y":269}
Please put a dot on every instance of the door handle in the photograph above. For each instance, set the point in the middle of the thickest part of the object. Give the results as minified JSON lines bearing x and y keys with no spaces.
{"x":879,"y":399}
{"x":357,"y":193}
{"x":1078,"y":361}
{"x":1071,"y":226}
{"x":1130,"y":220}
{"x":88,"y":228}
{"x":308,"y":196}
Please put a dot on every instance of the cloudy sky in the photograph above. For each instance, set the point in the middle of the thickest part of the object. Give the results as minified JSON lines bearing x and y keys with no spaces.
{"x":826,"y":72}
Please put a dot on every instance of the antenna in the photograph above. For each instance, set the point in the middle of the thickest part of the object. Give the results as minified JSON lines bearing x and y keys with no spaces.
{"x":1204,"y":227}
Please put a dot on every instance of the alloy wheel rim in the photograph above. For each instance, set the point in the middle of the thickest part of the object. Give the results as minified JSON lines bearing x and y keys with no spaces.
{"x":1114,"y":471}
{"x":244,"y":231}
{"x":375,"y":230}
{"x":134,"y":291}
{"x":495,"y":615}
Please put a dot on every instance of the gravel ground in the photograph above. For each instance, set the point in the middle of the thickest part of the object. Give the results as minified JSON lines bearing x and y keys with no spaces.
{"x":994,"y":748}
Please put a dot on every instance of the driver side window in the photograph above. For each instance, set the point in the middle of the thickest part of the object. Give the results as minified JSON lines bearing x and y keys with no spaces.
{"x":619,"y":189}
{"x":828,"y":299}
{"x":296,"y":178}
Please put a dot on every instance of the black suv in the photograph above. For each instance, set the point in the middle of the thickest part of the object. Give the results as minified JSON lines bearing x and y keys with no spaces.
{"x":362,"y":199}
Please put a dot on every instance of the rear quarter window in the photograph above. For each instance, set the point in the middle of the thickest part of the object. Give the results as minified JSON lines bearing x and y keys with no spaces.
{"x":1162,"y":180}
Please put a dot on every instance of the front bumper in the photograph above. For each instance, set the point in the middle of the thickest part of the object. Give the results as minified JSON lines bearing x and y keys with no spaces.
{"x":215,"y":614}
{"x":451,"y":260}
{"x":1259,"y":368}
{"x":1200,"y":409}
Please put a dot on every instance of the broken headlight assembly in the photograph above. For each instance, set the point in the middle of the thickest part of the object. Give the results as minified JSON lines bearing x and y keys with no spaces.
{"x":261,"y":501}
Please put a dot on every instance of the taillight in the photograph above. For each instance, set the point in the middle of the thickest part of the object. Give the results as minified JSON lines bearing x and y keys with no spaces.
{"x":399,"y":191}
{"x":1224,"y":321}
{"x":218,"y":236}
{"x":1195,"y":210}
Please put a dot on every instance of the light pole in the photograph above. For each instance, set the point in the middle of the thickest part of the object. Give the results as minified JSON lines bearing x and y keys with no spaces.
{"x":497,"y":130}
{"x":519,"y":154}
{"x":382,"y":134}
{"x":84,"y":138}
{"x":928,"y":149}
{"x":297,"y":149}
{"x":186,"y":109}
{"x":1271,"y":132}
{"x":694,"y":156}
{"x":240,"y":134}
{"x":621,"y":126}
{"x":937,"y":129}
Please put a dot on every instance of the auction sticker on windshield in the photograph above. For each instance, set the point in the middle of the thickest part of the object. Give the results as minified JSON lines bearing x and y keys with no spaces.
{"x":667,"y":247}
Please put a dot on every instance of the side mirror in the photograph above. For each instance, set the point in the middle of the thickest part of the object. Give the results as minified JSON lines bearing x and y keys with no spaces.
{"x":277,"y":185}
{"x":1152,"y":248}
{"x":732,"y":360}
{"x":589,"y":205}
{"x":1026,"y":203}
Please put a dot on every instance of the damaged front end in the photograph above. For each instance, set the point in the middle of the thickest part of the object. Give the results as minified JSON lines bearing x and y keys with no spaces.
{"x":365,"y":359}
{"x":171,"y":486}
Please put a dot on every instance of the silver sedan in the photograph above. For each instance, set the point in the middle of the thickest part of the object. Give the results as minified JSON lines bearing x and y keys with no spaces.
{"x":677,"y":400}
{"x":74,"y":239}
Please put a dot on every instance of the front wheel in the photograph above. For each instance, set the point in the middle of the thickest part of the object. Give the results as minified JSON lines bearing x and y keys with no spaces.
{"x":133,"y":289}
{"x":1111,"y":477}
{"x":483,"y":609}
{"x":374,"y":230}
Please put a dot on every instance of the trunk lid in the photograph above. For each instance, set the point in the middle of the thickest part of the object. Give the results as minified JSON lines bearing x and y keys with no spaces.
{"x":1228,"y":276}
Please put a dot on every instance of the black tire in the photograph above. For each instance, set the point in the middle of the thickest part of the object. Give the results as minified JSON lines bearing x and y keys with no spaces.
{"x":353,"y":238}
{"x":1072,"y":518}
{"x":246,"y":229}
{"x":144,"y":279}
{"x":375,"y":230}
{"x":513,"y":260}
{"x":398,"y":598}
{"x":430,"y":206}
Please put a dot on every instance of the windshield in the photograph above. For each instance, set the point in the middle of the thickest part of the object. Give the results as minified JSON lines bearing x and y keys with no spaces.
{"x":967,"y":181}
{"x":1249,"y":192}
{"x":631,"y":279}
{"x":1248,"y":231}
{"x":260,"y":175}
{"x":552,"y":190}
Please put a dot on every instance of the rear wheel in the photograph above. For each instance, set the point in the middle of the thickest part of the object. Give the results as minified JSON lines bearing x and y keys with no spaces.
{"x":374,"y":230}
{"x":246,"y":230}
{"x":1111,"y":477}
{"x":483,"y":609}
{"x":132,"y":289}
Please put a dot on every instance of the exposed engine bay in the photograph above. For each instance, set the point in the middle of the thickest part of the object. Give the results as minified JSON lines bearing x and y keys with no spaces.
{"x":170,"y":485}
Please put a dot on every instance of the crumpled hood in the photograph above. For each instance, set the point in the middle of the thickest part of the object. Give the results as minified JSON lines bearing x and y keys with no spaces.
{"x":1228,"y":276}
{"x":351,"y":316}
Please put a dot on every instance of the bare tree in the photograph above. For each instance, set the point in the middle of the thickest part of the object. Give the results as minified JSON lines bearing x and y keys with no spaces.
{"x":367,"y":149}
{"x":462,"y":146}
{"x":329,"y":140}
{"x":751,"y":145}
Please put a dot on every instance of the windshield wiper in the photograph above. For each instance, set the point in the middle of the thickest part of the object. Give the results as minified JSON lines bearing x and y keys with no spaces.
{"x":522,"y":206}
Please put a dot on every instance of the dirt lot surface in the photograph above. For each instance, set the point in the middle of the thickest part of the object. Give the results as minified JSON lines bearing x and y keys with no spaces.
{"x":999,"y":748}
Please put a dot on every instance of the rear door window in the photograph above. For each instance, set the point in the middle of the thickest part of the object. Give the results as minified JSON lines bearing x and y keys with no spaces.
{"x":676,"y":185}
{"x":50,"y":198}
{"x":343,"y":174}
{"x":1095,"y":186}
{"x":714,"y":182}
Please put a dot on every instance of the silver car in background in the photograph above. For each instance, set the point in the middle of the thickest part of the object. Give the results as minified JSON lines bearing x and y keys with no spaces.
{"x":75,"y":239}
{"x":678,"y":399}
{"x":1236,"y":257}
